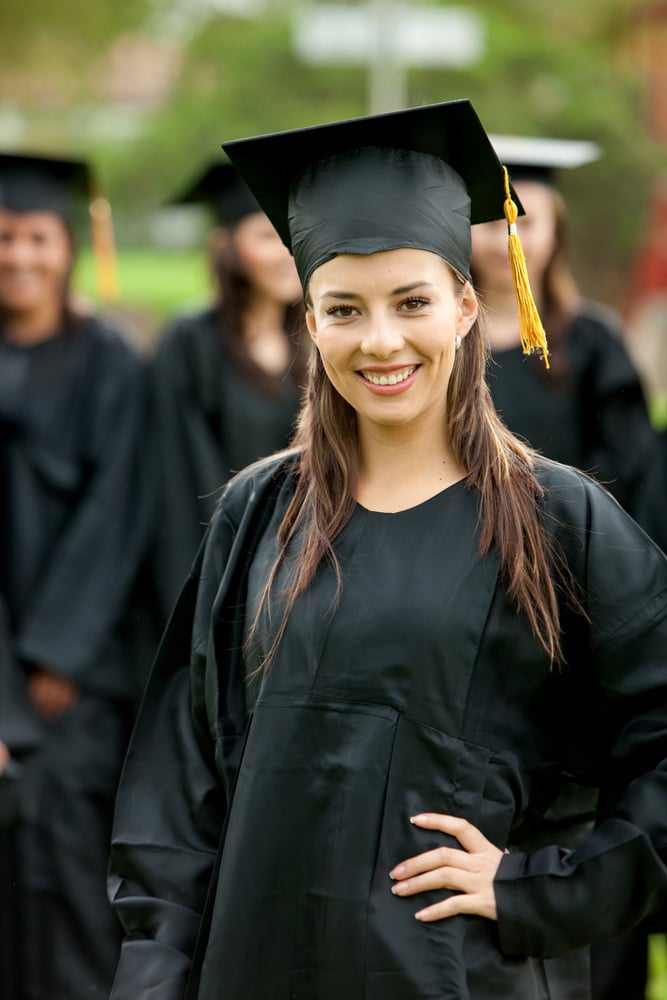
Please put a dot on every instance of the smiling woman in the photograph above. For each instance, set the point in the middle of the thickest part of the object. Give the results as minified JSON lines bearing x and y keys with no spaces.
{"x":35,"y":264}
{"x":397,"y":633}
{"x":388,"y":348}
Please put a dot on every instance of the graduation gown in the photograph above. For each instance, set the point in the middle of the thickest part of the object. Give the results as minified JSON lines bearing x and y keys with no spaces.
{"x":594,"y":417}
{"x":211,"y":422}
{"x":74,"y":520}
{"x":253,"y":838}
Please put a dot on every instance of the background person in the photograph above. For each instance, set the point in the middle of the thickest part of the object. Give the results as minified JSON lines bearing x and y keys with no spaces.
{"x":228,"y":378}
{"x":398,"y":633}
{"x":588,"y":408}
{"x":74,"y":519}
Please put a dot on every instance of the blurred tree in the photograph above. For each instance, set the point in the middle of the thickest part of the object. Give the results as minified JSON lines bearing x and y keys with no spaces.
{"x":49,"y":51}
{"x":150,"y":88}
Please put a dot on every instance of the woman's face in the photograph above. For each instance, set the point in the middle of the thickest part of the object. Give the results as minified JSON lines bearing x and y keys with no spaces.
{"x":35,"y":261}
{"x":265,"y":260}
{"x":385,"y":326}
{"x":537,"y":231}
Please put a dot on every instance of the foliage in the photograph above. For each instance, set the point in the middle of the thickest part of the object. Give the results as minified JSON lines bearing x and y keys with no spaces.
{"x":553,"y":69}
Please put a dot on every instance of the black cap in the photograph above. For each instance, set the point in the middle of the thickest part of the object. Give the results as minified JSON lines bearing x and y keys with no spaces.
{"x":66,"y":188}
{"x":537,"y":159}
{"x":417,"y":177}
{"x":30,"y":183}
{"x":221,"y":188}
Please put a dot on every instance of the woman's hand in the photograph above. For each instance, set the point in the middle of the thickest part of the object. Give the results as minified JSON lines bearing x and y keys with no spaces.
{"x":51,"y":695}
{"x":469,"y":872}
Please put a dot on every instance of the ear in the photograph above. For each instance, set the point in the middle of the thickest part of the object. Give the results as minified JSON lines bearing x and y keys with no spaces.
{"x":219,"y":245}
{"x":311,"y":323}
{"x":467,"y":310}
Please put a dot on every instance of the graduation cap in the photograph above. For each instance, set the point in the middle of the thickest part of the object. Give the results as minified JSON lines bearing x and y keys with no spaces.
{"x":412,"y":178}
{"x":223,"y":190}
{"x":536,"y":159}
{"x":30,"y":183}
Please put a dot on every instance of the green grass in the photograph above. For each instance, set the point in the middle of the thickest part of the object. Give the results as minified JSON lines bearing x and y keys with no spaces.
{"x":657,"y":989}
{"x":152,"y":282}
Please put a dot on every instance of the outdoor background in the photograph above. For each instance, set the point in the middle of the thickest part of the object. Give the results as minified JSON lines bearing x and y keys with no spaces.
{"x":148,"y":89}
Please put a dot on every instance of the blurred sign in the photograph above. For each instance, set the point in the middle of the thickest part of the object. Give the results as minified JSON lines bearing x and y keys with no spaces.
{"x":408,"y":36}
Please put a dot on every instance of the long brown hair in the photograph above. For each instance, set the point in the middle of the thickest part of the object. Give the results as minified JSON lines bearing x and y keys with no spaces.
{"x":235,"y":292}
{"x":499,"y":467}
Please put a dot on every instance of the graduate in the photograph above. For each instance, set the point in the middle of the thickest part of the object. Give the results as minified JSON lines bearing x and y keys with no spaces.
{"x":74,"y":520}
{"x":588,"y":408}
{"x":383,"y":668}
{"x":227,"y":378}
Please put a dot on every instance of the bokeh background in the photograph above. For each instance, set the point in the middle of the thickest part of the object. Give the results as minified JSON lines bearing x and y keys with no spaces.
{"x":147,"y":90}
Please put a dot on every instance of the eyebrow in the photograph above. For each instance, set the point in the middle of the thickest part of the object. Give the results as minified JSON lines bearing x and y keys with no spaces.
{"x":333,"y":294}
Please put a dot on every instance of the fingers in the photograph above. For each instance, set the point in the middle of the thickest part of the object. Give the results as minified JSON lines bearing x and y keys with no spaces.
{"x":51,"y":695}
{"x":469,"y":872}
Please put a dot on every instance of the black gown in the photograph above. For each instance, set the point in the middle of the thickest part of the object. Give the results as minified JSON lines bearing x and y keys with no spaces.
{"x":211,"y":422}
{"x":594,"y":417}
{"x":74,"y":521}
{"x":419,"y":688}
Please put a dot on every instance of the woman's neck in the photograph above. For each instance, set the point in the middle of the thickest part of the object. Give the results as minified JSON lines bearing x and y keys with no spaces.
{"x":399,"y":469}
{"x":264,"y":336}
{"x":27,"y":328}
{"x":501,"y":319}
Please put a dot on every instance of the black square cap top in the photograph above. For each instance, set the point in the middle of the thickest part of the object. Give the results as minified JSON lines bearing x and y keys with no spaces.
{"x":450,"y":130}
{"x":412,"y":178}
{"x":220,"y":187}
{"x":540,"y":159}
{"x":31,"y":183}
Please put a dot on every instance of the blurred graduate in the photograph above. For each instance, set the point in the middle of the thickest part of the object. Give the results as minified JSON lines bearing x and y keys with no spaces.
{"x":588,"y":408}
{"x":74,"y":520}
{"x":227,"y":378}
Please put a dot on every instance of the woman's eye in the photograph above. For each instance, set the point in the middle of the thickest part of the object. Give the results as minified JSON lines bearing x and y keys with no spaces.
{"x":413,"y":304}
{"x":340,"y":311}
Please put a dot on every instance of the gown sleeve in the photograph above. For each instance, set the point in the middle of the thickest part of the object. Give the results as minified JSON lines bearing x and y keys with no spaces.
{"x":553,"y":900}
{"x":181,"y":763}
{"x":191,"y":465}
{"x":87,"y":577}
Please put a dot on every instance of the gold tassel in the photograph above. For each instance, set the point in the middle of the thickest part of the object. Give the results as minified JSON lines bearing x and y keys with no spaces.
{"x":533,"y":337}
{"x":104,"y":248}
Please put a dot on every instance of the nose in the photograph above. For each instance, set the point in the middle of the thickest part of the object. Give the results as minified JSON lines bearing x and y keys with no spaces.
{"x":382,"y":338}
{"x":16,"y":252}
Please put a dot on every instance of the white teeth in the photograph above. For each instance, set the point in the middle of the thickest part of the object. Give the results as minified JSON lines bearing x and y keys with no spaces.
{"x":390,"y":379}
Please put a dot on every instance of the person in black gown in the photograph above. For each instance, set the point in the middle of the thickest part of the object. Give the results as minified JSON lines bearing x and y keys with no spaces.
{"x":381,"y":673}
{"x":227,"y":378}
{"x":588,"y":409}
{"x":74,"y":519}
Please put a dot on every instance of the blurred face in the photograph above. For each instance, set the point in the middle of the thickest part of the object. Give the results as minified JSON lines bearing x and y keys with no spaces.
{"x":385,"y":326}
{"x":537,"y":231}
{"x":265,"y":260}
{"x":35,"y":261}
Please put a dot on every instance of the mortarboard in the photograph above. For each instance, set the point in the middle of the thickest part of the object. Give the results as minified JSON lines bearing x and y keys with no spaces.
{"x":538,"y":159}
{"x":30,"y":183}
{"x":221,"y":187}
{"x":417,"y":177}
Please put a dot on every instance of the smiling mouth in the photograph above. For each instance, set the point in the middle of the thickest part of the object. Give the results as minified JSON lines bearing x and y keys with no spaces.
{"x":391,"y":378}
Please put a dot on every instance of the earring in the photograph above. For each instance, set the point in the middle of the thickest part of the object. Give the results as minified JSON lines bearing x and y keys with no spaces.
{"x":457,"y":342}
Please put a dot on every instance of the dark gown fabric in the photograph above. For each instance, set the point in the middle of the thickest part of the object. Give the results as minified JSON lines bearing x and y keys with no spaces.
{"x":255,"y":828}
{"x":593,"y":417}
{"x":211,"y":422}
{"x":74,"y":520}
{"x":652,"y":506}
